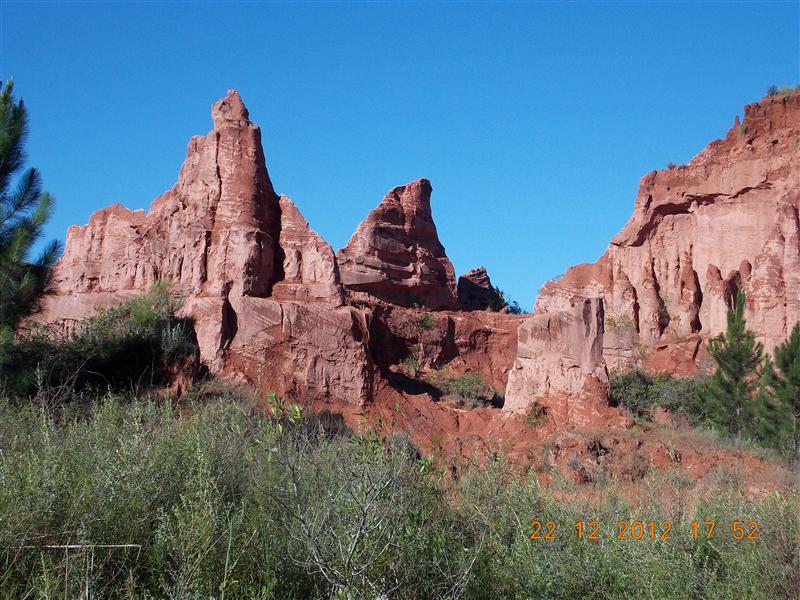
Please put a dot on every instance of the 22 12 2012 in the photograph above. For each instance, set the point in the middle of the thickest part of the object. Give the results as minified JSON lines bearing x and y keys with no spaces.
{"x":645,"y":530}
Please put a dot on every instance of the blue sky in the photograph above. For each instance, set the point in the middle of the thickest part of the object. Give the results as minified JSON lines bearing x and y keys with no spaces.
{"x":534,"y":121}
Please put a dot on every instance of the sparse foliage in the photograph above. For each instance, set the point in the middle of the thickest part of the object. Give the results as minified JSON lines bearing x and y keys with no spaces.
{"x":425,"y":322}
{"x":467,"y":389}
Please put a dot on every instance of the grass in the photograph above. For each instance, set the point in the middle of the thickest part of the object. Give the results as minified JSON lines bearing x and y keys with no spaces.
{"x":468,"y":390}
{"x":218,"y":499}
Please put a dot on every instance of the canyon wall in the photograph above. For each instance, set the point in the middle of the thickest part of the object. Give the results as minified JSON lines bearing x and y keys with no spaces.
{"x":273,"y":304}
{"x":700,"y":232}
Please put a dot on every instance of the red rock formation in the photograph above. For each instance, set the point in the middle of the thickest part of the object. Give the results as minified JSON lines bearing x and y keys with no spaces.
{"x":479,"y":342}
{"x":560,"y":367}
{"x":726,"y":221}
{"x":261,"y":286}
{"x":269,"y":305}
{"x":310,"y":273}
{"x":395,"y":254}
{"x":476,"y":292}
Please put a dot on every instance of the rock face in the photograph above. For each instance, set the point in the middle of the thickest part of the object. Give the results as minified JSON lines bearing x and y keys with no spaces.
{"x":262,"y":287}
{"x":700,"y":232}
{"x":395,"y":255}
{"x":559,"y":365}
{"x":273,"y":305}
{"x":476,"y":292}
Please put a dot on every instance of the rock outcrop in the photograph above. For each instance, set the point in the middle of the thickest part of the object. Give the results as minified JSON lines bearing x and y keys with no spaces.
{"x":476,"y":292}
{"x":262,"y":288}
{"x":699,"y":233}
{"x":395,"y":254}
{"x":273,"y":305}
{"x":559,"y":365}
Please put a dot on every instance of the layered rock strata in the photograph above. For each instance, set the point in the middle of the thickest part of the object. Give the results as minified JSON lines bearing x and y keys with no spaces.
{"x":395,"y":254}
{"x":699,"y":233}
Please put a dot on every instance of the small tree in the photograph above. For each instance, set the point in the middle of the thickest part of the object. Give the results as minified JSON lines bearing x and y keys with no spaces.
{"x":24,"y":209}
{"x":783,"y":381}
{"x":738,"y":355}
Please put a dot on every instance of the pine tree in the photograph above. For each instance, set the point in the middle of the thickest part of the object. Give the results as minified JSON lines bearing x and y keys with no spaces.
{"x":783,"y":382}
{"x":24,"y":209}
{"x":732,"y":389}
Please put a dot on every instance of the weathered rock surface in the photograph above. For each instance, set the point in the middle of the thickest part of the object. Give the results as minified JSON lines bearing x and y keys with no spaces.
{"x":478,"y":342}
{"x":476,"y":292}
{"x":262,"y":287}
{"x":726,"y":221}
{"x":395,"y":254}
{"x":559,"y":365}
{"x":273,"y":305}
{"x":310,"y":272}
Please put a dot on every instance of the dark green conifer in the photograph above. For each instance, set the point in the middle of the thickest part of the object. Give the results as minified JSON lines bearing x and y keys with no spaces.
{"x":731,"y":391}
{"x":24,"y":209}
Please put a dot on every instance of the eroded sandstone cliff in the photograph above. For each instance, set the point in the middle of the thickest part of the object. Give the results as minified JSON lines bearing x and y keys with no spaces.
{"x":262,"y":288}
{"x":699,"y":232}
{"x":274,"y":305}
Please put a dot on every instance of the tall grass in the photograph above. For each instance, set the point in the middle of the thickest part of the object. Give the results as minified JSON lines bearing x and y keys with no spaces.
{"x":218,"y":499}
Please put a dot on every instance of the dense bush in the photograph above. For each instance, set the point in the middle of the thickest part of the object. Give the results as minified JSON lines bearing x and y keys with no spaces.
{"x":468,"y":389}
{"x":221,"y":500}
{"x":641,"y":392}
{"x":749,"y":396}
{"x":131,"y":344}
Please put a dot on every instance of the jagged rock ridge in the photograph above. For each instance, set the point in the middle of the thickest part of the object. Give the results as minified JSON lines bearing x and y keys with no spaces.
{"x":262,"y":288}
{"x":700,"y":232}
{"x":274,"y":305}
{"x":395,"y":254}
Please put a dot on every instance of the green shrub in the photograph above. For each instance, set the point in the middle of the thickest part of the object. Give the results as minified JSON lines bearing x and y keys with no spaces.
{"x":219,"y":499}
{"x":410,"y":364}
{"x":134,"y":343}
{"x":500,"y":303}
{"x":640,"y":393}
{"x":631,"y":390}
{"x":467,"y":389}
{"x":535,"y":417}
{"x":426,"y":322}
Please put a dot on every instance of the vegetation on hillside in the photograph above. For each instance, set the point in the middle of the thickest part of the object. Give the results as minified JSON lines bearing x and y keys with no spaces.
{"x":749,"y":396}
{"x":774,"y":90}
{"x":217,"y":498}
{"x":502,"y":303}
{"x":137,"y":343}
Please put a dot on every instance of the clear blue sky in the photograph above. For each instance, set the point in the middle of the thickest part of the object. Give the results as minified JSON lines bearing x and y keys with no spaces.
{"x":534,"y":121}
